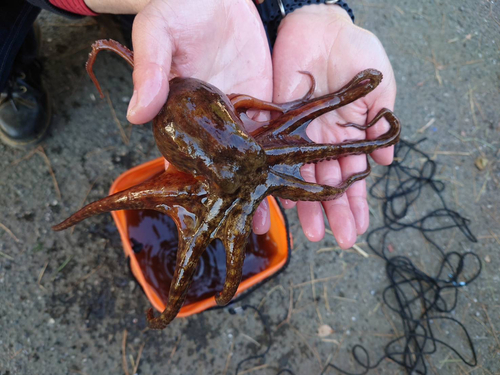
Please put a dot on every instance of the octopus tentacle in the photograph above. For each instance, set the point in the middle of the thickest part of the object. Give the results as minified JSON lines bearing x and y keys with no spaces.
{"x":296,"y":189}
{"x":295,"y":122}
{"x":163,"y":192}
{"x":373,"y":76}
{"x":188,"y":256}
{"x":248,"y":123}
{"x":384,"y":112}
{"x":228,"y":170}
{"x":234,"y":238}
{"x":235,"y":246}
{"x":242,"y":103}
{"x":313,"y":152}
{"x":107,"y":45}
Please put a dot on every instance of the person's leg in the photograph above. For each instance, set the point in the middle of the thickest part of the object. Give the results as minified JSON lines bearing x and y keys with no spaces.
{"x":24,"y":108}
{"x":16,"y":27}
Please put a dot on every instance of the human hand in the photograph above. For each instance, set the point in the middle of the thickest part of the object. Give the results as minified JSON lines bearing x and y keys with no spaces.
{"x":220,"y":41}
{"x":322,"y":39}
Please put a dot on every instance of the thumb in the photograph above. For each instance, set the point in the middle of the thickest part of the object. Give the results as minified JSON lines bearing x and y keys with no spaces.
{"x":152,"y":62}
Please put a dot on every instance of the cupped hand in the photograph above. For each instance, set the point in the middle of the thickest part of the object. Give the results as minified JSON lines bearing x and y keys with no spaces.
{"x":220,"y":41}
{"x":323,"y":40}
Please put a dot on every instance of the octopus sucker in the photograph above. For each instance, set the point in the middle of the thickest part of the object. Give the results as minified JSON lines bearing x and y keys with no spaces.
{"x":219,"y":172}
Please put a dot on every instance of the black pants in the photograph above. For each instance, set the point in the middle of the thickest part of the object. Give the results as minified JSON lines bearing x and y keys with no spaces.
{"x":17,"y":37}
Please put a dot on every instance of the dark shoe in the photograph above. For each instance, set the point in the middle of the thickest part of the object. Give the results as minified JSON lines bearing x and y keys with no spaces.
{"x":24,"y":108}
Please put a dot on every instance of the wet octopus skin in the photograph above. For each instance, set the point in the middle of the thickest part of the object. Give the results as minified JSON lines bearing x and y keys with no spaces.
{"x":219,"y":173}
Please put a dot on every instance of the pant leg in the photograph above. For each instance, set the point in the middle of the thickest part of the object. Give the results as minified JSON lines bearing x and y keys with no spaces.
{"x":16,"y":35}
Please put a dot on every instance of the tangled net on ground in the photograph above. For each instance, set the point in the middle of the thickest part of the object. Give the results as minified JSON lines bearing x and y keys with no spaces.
{"x":418,"y":298}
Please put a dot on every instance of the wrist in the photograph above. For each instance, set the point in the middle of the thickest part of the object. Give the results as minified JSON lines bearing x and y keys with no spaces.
{"x":274,"y":13}
{"x":328,"y":10}
{"x":116,"y":6}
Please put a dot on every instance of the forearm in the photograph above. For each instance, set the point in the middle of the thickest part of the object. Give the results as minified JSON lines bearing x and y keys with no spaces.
{"x":116,"y":6}
{"x":328,"y":10}
{"x":75,"y":8}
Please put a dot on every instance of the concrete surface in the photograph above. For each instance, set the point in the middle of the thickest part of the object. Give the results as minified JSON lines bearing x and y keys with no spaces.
{"x":66,"y":299}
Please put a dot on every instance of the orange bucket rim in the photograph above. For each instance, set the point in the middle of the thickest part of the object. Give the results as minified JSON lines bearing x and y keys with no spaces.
{"x":279,"y":228}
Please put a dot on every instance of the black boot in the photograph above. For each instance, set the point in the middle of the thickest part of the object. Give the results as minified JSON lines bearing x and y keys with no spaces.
{"x":25,"y":111}
{"x":24,"y":107}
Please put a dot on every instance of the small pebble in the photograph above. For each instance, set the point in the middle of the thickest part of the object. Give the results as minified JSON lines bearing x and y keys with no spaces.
{"x":324,"y":330}
{"x":131,"y":285}
{"x":52,"y":321}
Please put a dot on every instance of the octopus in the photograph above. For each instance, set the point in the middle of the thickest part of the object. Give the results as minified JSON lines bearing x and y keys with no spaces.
{"x":218,"y":172}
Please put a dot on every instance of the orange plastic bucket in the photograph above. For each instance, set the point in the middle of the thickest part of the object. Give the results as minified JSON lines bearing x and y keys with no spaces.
{"x":278,"y":234}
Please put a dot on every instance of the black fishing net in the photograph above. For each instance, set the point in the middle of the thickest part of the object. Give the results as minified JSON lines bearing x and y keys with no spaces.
{"x":419,"y":299}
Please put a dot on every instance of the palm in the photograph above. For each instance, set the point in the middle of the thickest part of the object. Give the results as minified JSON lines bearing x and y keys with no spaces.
{"x":226,"y":51}
{"x":222,"y":42}
{"x":333,"y":50}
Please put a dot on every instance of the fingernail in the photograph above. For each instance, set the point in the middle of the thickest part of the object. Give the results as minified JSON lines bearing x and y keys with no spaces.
{"x":316,"y":231}
{"x":348,"y":238}
{"x":361,"y":217}
{"x":132,"y":104}
{"x":313,"y":223}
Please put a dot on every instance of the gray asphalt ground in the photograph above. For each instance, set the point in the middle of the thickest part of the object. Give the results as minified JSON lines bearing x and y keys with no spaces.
{"x":68,"y":304}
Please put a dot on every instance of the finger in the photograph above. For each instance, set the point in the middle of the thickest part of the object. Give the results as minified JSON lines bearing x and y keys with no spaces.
{"x":311,"y":213}
{"x":356,"y":194}
{"x":311,"y":219}
{"x":152,"y":61}
{"x":385,"y":99}
{"x":287,"y":203}
{"x":262,"y":218}
{"x":383,"y":156}
{"x":337,"y":211}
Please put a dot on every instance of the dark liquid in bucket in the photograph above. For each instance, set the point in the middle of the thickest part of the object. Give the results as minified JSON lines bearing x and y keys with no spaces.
{"x":153,"y":236}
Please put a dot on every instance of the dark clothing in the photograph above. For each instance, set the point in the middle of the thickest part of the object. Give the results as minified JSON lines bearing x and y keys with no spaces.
{"x":16,"y":35}
{"x":17,"y":38}
{"x":45,"y":4}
